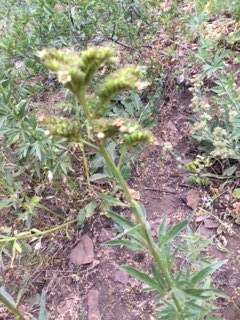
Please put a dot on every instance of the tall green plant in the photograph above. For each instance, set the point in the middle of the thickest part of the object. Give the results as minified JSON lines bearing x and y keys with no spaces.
{"x":184,"y":293}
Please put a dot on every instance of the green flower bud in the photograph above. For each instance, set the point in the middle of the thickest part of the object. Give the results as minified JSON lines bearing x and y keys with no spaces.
{"x":62,"y":127}
{"x":130,"y":131}
{"x":75,"y":70}
{"x":123,"y":79}
{"x":137,"y":137}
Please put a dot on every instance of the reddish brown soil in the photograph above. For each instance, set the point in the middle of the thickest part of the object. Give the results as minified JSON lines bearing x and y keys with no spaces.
{"x":163,"y":189}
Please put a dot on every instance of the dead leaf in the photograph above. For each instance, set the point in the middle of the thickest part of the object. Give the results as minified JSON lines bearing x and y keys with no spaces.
{"x":193,"y":199}
{"x":135,"y":194}
{"x":83,"y":252}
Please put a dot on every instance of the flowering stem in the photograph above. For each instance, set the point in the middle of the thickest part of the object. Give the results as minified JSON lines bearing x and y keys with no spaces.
{"x":81,"y":97}
{"x":123,"y":152}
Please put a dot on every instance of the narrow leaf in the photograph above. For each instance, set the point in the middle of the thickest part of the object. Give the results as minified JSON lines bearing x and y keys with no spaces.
{"x":174,"y":231}
{"x":130,"y":244}
{"x":143,"y":277}
{"x":86,"y":212}
{"x":42,"y":311}
{"x":9,"y":303}
{"x":199,"y":276}
{"x":127,"y":226}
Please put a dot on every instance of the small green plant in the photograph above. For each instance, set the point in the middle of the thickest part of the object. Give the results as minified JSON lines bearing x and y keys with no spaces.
{"x":185,"y":293}
{"x":216,"y":97}
{"x":26,"y":140}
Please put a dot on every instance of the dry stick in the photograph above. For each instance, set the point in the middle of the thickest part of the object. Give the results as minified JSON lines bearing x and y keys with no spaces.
{"x":159,"y":190}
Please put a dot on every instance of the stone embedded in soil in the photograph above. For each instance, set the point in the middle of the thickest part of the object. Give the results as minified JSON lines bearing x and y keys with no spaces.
{"x":211,"y":223}
{"x":200,"y":218}
{"x":83,"y":252}
{"x":121,"y":277}
{"x":193,"y":199}
{"x":93,"y":305}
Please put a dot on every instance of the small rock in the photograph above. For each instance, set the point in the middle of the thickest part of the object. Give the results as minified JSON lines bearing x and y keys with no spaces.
{"x":193,"y":199}
{"x":93,"y":308}
{"x":121,"y":277}
{"x":83,"y":252}
{"x":210,"y":223}
{"x":200,"y":218}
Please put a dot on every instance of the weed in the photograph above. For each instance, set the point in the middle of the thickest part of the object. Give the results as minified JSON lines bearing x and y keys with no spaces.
{"x":215,"y":91}
{"x":184,"y":293}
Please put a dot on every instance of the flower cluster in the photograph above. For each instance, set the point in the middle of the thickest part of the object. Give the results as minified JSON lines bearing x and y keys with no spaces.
{"x":62,"y":127}
{"x":217,"y":117}
{"x":130,"y":131}
{"x":75,"y":72}
{"x":123,"y":79}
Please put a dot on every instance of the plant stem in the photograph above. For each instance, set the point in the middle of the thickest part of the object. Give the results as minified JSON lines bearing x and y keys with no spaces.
{"x":36,"y":233}
{"x":85,"y":165}
{"x":136,"y":209}
{"x":11,"y":307}
{"x":81,"y":97}
{"x":122,"y":157}
{"x":151,"y":245}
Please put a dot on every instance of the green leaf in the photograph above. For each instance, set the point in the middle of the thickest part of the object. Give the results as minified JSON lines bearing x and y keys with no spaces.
{"x":86,"y":212}
{"x":236,"y":193}
{"x":173,"y":232}
{"x":42,"y":311}
{"x":126,"y":225}
{"x":199,"y":276}
{"x":5,"y":203}
{"x":229,"y":171}
{"x":10,"y":304}
{"x":130,"y":244}
{"x":98,"y":176}
{"x":159,"y":279}
{"x":200,"y":293}
{"x":162,"y":230}
{"x":143,"y":277}
{"x":113,"y":201}
{"x":120,"y":221}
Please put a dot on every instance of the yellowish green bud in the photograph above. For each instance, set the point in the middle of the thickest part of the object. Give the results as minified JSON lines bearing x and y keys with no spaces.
{"x":121,"y":80}
{"x":62,"y":127}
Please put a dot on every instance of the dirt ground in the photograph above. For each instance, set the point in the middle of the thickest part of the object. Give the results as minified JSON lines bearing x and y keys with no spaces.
{"x":99,"y":290}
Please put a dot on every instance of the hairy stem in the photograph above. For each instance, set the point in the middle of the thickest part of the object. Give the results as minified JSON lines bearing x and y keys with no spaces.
{"x":123,"y":152}
{"x":85,"y":165}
